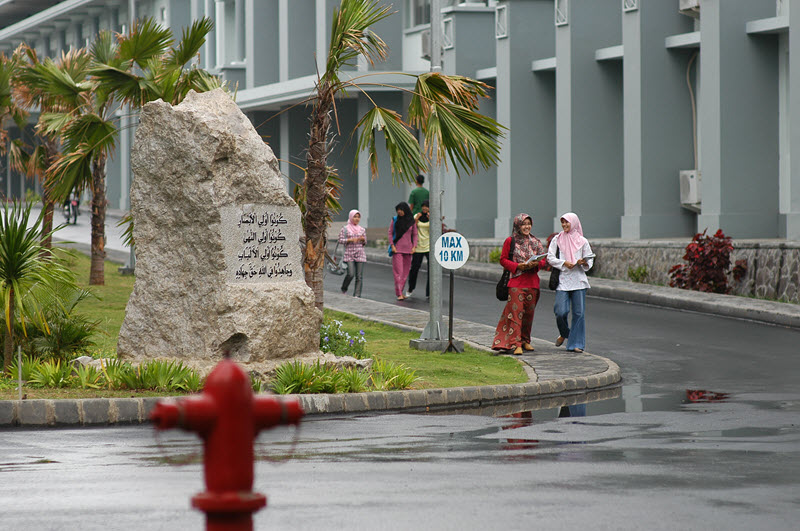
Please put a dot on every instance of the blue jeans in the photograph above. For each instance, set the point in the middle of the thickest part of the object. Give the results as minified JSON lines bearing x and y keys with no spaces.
{"x":575,"y":300}
{"x":354,"y":269}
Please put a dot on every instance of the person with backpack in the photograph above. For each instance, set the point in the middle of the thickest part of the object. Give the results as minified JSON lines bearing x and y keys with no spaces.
{"x":519,"y":254}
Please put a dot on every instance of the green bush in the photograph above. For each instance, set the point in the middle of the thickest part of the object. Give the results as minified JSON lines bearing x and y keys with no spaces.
{"x":494,"y":255}
{"x":638,"y":274}
{"x":333,"y":339}
{"x":388,"y":376}
{"x":53,"y":374}
{"x":296,"y":377}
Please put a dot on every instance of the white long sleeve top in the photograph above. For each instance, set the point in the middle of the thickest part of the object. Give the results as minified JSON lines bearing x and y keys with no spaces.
{"x":575,"y":278}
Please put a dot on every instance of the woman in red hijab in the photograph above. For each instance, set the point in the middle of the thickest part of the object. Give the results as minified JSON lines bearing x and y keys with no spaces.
{"x":574,"y":259}
{"x":514,"y":329}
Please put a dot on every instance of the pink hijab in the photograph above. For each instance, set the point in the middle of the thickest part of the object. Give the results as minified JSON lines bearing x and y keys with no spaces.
{"x":354,"y":230}
{"x":570,"y":242}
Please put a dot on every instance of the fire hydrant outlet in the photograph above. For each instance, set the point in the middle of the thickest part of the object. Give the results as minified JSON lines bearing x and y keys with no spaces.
{"x":229,"y":502}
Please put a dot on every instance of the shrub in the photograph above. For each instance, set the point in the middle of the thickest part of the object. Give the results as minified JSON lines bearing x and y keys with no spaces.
{"x":52,"y":374}
{"x":340,"y":343}
{"x":297,"y":377}
{"x":708,"y":260}
{"x":494,"y":255}
{"x":387,"y":376}
{"x":87,"y":377}
{"x":638,"y":274}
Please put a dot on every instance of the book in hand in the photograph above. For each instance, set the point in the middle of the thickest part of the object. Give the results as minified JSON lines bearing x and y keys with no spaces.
{"x":536,"y":258}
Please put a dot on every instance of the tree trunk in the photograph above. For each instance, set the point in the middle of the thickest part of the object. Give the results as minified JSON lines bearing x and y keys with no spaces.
{"x":97,"y":271}
{"x":315,"y":182}
{"x":50,"y":151}
{"x":8,"y":347}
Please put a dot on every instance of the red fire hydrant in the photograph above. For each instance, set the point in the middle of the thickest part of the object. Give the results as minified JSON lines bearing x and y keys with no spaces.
{"x":228,"y":418}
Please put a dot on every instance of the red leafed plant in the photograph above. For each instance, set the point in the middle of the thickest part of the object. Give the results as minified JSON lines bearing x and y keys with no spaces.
{"x":708,"y":259}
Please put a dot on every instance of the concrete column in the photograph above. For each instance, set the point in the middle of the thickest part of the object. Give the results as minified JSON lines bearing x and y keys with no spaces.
{"x":239,"y":9}
{"x":789,"y":218}
{"x":221,"y":32}
{"x":657,"y":123}
{"x":210,"y":47}
{"x":525,"y":100}
{"x":284,"y":149}
{"x":283,"y":40}
{"x":321,"y":37}
{"x":589,"y":148}
{"x":739,"y":113}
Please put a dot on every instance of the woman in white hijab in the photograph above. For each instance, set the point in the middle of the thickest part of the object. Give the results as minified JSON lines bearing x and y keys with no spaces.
{"x":574,"y":259}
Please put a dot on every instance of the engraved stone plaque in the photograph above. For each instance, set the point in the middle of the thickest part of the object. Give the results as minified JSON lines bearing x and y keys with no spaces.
{"x":261,"y":243}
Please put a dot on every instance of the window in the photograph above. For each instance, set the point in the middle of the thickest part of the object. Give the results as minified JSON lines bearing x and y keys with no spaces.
{"x":418,"y":12}
{"x":501,"y":22}
{"x":562,"y":12}
{"x":629,"y":5}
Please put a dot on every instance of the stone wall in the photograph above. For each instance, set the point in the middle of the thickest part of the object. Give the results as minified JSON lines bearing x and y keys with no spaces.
{"x":773,"y":266}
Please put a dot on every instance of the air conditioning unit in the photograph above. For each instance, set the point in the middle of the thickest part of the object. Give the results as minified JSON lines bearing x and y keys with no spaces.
{"x":690,"y":190}
{"x":690,"y":8}
{"x":425,"y":36}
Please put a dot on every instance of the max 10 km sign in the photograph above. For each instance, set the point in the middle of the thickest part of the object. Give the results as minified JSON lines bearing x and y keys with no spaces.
{"x":451,"y":250}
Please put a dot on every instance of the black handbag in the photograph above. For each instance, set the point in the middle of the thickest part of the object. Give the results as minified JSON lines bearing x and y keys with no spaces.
{"x":555,"y":275}
{"x":501,"y":291}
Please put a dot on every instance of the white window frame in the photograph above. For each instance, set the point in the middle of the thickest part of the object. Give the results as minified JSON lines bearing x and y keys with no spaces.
{"x":447,"y":33}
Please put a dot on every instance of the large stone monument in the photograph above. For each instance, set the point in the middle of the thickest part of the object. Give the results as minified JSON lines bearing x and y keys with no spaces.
{"x":218,"y":258}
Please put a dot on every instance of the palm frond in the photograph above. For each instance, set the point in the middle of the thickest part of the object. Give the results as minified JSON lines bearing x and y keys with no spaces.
{"x":350,"y":36}
{"x":104,"y":49}
{"x":147,"y":39}
{"x":405,"y":157}
{"x":192,"y":39}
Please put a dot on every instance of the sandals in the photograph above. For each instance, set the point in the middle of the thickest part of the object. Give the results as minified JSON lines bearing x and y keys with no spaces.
{"x":518,"y":351}
{"x":401,"y":298}
{"x":527,"y":346}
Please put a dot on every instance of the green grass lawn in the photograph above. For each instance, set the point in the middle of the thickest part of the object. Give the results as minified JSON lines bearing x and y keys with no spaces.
{"x":472,"y":367}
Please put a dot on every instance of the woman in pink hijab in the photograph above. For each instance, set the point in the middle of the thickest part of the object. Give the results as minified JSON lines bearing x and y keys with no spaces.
{"x":570,"y":253}
{"x":354,"y":238}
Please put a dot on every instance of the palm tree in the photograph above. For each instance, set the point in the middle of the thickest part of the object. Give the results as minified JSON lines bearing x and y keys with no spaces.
{"x":87,"y":86}
{"x":33,"y":161}
{"x":23,"y":268}
{"x":443,"y":108}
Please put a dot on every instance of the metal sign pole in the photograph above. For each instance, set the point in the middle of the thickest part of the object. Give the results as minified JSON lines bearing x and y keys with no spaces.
{"x":450,"y":346}
{"x":432,"y":331}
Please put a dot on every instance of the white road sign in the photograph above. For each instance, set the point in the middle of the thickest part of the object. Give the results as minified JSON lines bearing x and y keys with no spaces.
{"x":451,"y":250}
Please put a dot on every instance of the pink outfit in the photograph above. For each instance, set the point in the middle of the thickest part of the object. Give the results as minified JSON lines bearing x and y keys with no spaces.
{"x":401,"y":260}
{"x":571,"y":242}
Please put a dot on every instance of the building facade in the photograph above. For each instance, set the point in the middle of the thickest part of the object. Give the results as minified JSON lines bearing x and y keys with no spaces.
{"x":649,"y":118}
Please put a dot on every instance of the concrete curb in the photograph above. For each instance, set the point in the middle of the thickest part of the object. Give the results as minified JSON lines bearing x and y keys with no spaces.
{"x":759,"y":310}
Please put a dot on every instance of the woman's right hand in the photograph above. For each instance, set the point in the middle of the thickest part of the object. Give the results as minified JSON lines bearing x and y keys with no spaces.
{"x":569,"y":265}
{"x":394,"y":249}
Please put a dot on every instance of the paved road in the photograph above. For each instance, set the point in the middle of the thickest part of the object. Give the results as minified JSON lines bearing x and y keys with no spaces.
{"x":650,"y":460}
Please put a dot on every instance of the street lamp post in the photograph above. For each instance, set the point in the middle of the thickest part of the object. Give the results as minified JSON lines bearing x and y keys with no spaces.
{"x":431,"y":338}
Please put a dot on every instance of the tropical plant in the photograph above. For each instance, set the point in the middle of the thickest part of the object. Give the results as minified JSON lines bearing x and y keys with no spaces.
{"x":34,"y":160}
{"x":354,"y":380}
{"x":87,"y":377}
{"x":52,"y":374}
{"x":707,"y":261}
{"x":62,"y":332}
{"x":28,"y":365}
{"x":297,"y":377}
{"x":23,"y":267}
{"x":387,"y":376}
{"x":85,"y":89}
{"x":443,"y":108}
